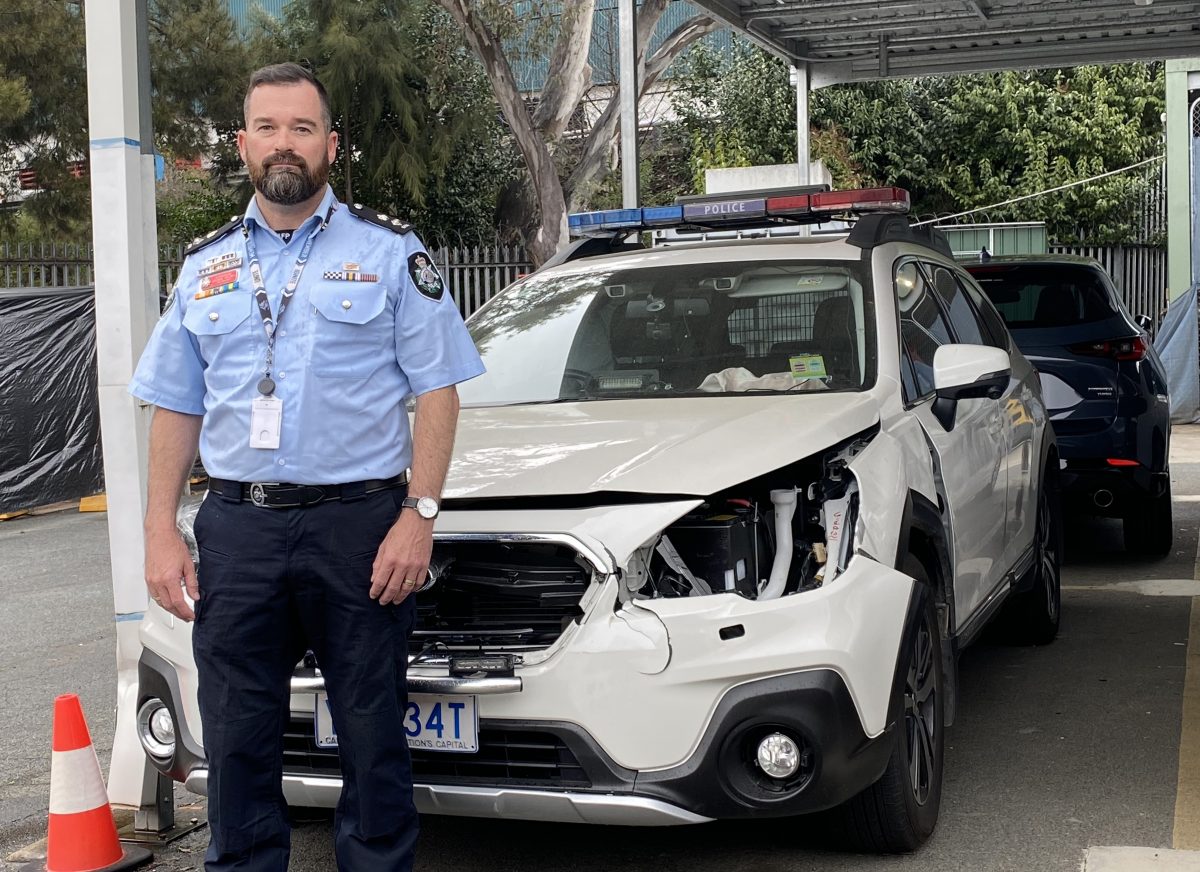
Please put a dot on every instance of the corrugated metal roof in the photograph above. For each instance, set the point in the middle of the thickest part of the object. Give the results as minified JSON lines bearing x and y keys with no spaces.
{"x":855,"y":40}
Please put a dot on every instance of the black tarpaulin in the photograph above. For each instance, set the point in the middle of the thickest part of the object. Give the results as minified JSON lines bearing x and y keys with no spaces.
{"x":49,"y":410}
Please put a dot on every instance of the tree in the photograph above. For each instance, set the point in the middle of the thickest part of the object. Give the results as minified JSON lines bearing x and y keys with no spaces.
{"x":954,"y":143}
{"x":416,"y":121}
{"x":198,"y":67}
{"x":491,"y":29}
{"x":43,"y":124}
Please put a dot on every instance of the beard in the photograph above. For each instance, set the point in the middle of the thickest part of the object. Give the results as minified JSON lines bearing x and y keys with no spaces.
{"x":290,"y":186}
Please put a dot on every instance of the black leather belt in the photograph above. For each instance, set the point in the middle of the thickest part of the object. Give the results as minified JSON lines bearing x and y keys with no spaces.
{"x":281,"y":495}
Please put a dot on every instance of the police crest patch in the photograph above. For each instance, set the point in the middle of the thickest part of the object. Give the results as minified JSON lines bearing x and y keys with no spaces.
{"x":424,"y":276}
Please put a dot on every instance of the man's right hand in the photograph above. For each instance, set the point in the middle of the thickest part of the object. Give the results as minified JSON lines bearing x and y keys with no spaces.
{"x":168,"y":569}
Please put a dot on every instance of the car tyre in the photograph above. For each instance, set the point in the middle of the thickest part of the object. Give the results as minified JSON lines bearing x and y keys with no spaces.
{"x":1033,"y":616}
{"x":1149,"y":527}
{"x":898,"y":812}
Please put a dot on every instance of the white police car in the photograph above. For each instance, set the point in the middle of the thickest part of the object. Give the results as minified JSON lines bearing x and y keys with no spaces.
{"x":722,"y":514}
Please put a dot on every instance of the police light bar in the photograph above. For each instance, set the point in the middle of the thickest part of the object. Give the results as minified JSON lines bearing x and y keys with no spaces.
{"x":712,"y":213}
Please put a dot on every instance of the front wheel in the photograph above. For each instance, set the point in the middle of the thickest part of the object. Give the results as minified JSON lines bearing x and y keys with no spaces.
{"x":899,"y":811}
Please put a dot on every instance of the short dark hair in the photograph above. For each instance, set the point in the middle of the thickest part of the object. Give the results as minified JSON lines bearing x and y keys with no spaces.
{"x":287,"y":74}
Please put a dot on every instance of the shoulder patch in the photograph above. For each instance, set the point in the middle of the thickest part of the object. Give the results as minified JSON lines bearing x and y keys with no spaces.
{"x":374,"y":216}
{"x":213,"y":235}
{"x":423,"y":274}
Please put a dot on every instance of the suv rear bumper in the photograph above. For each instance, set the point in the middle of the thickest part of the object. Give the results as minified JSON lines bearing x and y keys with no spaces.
{"x":1109,"y":491}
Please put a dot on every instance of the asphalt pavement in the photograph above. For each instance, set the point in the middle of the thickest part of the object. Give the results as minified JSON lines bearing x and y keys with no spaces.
{"x":1057,"y":751}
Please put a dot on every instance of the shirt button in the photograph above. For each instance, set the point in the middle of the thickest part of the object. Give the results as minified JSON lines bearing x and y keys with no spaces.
{"x":213,"y":316}
{"x":282,"y":374}
{"x":283,"y":333}
{"x":282,"y":462}
{"x":285,"y":251}
{"x":346,"y":304}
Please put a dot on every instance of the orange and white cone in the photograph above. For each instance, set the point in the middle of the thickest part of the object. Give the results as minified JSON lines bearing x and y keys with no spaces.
{"x":82,"y":833}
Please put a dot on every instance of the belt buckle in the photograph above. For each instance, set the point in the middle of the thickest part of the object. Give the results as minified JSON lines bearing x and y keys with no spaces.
{"x":258,"y":493}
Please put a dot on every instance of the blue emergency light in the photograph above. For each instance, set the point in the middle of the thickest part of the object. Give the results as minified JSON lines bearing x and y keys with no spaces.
{"x":711,"y":213}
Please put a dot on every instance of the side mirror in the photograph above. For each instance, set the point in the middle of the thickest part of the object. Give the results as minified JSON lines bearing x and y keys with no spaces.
{"x":962,"y":372}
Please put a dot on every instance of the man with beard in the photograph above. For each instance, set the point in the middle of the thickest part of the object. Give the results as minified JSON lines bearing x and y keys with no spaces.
{"x":292,"y":339}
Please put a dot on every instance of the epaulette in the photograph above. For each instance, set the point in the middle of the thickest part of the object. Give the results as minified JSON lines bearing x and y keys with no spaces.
{"x":358,"y":210}
{"x":212,"y":236}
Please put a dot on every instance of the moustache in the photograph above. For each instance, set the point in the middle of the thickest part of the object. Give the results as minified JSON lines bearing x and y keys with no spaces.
{"x":284,"y":159}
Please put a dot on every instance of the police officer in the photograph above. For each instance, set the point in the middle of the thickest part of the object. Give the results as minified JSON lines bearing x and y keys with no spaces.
{"x":293,"y":337}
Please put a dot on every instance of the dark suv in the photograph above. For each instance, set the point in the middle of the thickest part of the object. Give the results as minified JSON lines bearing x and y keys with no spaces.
{"x":1104,"y":386}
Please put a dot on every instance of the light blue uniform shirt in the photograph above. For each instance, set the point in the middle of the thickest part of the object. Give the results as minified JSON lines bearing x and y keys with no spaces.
{"x":347,"y":354}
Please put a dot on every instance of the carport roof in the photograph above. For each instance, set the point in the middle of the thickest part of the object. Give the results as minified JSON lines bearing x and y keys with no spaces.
{"x":855,"y":40}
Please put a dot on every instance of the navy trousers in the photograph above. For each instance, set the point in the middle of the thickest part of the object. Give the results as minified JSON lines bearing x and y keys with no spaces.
{"x":273,"y":584}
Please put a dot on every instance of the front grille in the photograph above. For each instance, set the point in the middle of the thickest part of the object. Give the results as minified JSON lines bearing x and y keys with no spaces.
{"x":506,"y":756}
{"x":496,"y":594}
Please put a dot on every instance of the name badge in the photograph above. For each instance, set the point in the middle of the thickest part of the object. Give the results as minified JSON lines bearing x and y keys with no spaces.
{"x":266,"y":418}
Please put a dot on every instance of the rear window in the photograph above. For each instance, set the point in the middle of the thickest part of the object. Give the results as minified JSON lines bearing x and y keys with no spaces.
{"x":1045,"y":295}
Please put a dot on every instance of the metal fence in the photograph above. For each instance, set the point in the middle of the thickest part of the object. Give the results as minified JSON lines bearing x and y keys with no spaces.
{"x":474,"y":274}
{"x":1138,"y":271}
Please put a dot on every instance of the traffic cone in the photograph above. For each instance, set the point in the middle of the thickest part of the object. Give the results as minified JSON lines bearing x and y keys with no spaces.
{"x":82,"y":834}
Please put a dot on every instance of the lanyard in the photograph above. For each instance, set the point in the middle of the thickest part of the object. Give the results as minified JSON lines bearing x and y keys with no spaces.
{"x":266,"y":386}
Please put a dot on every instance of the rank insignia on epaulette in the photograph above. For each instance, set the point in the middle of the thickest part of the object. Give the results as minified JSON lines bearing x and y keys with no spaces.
{"x":212,"y":292}
{"x":342,"y":276}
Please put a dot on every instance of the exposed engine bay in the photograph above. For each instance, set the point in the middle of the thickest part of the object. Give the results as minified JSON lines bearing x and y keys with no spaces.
{"x":780,"y":534}
{"x":788,"y":532}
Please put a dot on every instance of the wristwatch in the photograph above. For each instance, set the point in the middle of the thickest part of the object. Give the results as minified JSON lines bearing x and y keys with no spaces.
{"x":427,"y":507}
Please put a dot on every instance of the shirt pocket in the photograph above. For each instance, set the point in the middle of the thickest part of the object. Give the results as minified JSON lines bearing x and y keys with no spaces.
{"x":223,"y":332}
{"x":353,"y":335}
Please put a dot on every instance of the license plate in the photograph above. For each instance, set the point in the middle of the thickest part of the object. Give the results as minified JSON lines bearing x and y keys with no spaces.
{"x":431,"y":723}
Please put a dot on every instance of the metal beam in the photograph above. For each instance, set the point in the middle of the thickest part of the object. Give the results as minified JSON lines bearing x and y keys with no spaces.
{"x":627,"y":21}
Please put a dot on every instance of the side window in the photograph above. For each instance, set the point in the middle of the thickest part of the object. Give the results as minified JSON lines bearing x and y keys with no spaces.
{"x":922,"y":327}
{"x":966,"y":323}
{"x":995,"y":333}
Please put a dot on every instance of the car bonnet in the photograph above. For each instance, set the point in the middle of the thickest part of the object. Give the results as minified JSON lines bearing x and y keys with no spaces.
{"x":676,"y":446}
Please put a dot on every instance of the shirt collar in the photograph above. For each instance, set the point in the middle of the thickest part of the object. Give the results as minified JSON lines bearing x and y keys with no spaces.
{"x":254,"y":216}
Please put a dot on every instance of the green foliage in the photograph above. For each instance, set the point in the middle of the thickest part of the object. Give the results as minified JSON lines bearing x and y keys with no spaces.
{"x":955,"y":143}
{"x":418,"y":126}
{"x":190,"y":204}
{"x":198,"y":65}
{"x":739,"y":110}
{"x":43,"y":123}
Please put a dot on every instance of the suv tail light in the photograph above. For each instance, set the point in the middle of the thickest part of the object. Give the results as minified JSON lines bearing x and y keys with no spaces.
{"x":1133,"y":348}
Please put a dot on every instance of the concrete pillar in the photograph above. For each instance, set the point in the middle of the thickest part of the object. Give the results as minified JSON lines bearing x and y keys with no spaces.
{"x":126,"y":274}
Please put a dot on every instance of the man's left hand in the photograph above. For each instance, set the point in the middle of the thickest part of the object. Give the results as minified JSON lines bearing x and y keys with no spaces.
{"x":403,"y":559}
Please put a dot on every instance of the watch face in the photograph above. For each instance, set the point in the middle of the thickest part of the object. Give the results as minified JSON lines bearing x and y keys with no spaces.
{"x":427,"y":507}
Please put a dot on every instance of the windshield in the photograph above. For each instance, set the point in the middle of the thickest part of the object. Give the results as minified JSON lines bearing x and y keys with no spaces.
{"x":691,"y":330}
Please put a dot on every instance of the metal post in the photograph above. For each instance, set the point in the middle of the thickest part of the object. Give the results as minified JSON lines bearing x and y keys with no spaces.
{"x":126,"y":308}
{"x":629,"y":103}
{"x":1194,"y":151}
{"x":803,"y":150}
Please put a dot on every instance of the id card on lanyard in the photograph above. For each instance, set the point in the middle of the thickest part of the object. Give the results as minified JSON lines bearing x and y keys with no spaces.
{"x":266,"y":410}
